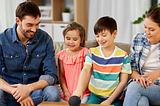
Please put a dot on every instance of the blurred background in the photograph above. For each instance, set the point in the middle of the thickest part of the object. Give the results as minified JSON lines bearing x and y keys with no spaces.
{"x":85,"y":12}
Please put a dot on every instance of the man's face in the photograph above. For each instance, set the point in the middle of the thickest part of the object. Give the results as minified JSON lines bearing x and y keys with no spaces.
{"x":28,"y":26}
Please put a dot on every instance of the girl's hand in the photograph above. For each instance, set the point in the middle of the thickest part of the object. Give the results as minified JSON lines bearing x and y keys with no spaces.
{"x":67,"y":94}
{"x":141,"y":80}
{"x":151,"y":77}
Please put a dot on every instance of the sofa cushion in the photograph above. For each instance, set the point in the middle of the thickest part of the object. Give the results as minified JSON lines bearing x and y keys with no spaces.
{"x":123,"y":46}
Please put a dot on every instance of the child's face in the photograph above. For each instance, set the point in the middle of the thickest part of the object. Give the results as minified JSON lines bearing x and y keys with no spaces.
{"x":105,"y":38}
{"x":72,"y":40}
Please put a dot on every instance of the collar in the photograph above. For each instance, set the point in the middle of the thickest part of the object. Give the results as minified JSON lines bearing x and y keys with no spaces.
{"x":146,"y":42}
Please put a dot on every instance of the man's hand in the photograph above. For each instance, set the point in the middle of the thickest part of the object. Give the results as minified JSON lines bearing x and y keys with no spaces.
{"x":27,"y":101}
{"x":21,"y":92}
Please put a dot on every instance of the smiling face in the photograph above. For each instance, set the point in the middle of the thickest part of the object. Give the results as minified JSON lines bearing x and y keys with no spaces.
{"x":152,"y":31}
{"x":27,"y":27}
{"x":105,"y":38}
{"x":72,"y":40}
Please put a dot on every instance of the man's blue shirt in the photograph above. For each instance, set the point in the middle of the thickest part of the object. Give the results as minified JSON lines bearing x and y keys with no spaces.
{"x":17,"y":66}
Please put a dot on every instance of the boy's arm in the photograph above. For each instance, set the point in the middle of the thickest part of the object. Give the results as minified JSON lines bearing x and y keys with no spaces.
{"x":62,"y":78}
{"x":118,"y":90}
{"x":85,"y":73}
{"x":87,"y":81}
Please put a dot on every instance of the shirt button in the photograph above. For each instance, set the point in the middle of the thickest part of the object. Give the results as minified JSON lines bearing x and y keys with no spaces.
{"x":24,"y":55}
{"x":11,"y":56}
{"x":24,"y":73}
{"x":24,"y":66}
{"x":37,"y":55}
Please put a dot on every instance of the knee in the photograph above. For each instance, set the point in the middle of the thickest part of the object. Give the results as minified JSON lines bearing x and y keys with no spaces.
{"x":51,"y":93}
{"x":143,"y":101}
{"x":133,"y":86}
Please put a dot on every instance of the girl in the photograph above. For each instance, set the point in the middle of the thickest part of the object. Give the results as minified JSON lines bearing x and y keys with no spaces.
{"x":71,"y":61}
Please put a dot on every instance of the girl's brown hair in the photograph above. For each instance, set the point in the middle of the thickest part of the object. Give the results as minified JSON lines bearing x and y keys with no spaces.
{"x":75,"y":26}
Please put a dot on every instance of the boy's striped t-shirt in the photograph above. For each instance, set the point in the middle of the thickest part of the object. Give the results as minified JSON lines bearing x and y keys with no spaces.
{"x":106,"y":70}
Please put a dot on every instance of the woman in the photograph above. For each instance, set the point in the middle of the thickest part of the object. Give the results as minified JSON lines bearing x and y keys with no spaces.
{"x":145,"y":63}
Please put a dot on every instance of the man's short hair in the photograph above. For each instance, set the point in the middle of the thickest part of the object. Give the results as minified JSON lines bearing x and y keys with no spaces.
{"x":27,"y":8}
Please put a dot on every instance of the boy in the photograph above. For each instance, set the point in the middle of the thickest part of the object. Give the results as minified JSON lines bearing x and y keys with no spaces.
{"x":110,"y":64}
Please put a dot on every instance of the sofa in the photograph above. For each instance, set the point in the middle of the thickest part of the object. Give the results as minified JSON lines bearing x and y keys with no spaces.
{"x":58,"y":46}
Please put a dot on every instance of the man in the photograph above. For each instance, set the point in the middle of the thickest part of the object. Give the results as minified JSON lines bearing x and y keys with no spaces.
{"x":27,"y":65}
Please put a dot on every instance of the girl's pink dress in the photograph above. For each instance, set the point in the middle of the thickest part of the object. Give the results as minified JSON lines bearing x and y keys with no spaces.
{"x":72,"y":66}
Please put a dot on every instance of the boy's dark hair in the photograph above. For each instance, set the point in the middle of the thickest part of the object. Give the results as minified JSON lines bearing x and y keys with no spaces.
{"x":75,"y":26}
{"x":154,"y":15}
{"x":27,"y":8}
{"x":105,"y":23}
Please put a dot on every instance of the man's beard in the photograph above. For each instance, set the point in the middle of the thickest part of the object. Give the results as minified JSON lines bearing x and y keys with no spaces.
{"x":25,"y":33}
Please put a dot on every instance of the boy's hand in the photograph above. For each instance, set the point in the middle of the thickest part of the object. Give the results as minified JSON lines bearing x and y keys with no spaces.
{"x":106,"y":102}
{"x":78,"y":93}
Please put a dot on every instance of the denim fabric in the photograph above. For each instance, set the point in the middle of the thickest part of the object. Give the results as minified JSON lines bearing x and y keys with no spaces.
{"x":49,"y":93}
{"x":17,"y":66}
{"x":137,"y":95}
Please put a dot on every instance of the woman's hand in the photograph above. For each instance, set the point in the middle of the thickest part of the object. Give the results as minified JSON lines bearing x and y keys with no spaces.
{"x":151,"y":77}
{"x":142,"y":80}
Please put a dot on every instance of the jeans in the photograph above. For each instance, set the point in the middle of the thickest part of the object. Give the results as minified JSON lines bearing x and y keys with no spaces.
{"x":137,"y":95}
{"x":84,"y":99}
{"x":49,"y":93}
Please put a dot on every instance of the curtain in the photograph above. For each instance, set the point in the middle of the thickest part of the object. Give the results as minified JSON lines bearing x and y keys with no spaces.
{"x":123,"y":11}
{"x":7,"y":11}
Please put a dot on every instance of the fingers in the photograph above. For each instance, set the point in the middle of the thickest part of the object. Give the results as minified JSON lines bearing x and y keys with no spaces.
{"x":67,"y":94}
{"x":141,"y":80}
{"x":27,"y":102}
{"x":19,"y":99}
{"x":15,"y":85}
